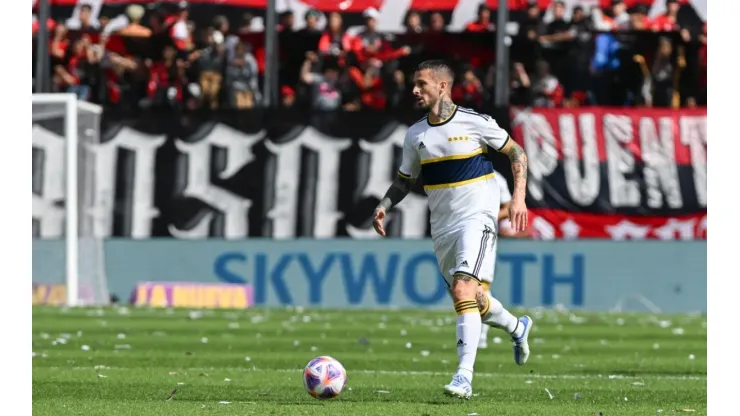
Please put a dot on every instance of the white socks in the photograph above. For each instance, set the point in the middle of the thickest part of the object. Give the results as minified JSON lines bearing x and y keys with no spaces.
{"x":484,"y":332}
{"x":468,"y":334}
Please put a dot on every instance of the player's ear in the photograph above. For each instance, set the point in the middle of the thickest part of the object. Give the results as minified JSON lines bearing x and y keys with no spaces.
{"x":443,"y":85}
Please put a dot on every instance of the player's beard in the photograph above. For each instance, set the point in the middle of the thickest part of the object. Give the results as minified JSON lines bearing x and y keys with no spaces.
{"x":423,"y":104}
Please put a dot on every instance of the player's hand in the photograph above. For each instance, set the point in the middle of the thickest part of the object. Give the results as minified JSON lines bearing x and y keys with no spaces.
{"x":518,"y":215}
{"x":378,"y":221}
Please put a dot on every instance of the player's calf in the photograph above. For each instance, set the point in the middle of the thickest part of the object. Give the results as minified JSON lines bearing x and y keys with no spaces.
{"x":484,"y":305}
{"x":482,"y":299}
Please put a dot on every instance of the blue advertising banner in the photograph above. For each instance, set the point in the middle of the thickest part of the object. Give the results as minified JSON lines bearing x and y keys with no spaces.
{"x":592,"y":275}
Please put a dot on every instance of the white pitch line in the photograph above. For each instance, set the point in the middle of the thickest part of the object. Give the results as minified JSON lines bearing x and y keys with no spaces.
{"x":511,"y":375}
{"x":433,"y":373}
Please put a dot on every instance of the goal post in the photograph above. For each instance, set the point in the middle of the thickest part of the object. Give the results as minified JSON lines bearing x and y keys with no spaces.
{"x":77,"y":123}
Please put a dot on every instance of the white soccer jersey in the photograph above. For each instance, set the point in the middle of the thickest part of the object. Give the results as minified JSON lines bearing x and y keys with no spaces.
{"x":458,"y":178}
{"x":503,"y":186}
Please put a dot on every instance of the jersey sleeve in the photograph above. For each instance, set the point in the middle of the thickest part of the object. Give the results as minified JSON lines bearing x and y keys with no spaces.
{"x":410,"y":163}
{"x":493,"y":135}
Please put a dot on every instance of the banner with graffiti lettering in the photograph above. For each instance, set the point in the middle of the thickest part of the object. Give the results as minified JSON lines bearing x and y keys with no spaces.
{"x":615,"y":173}
{"x":592,"y":174}
{"x":233,"y":175}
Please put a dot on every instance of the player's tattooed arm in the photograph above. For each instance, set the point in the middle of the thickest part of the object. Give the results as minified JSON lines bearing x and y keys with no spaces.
{"x":518,"y":160}
{"x":396,"y":193}
{"x":400,"y":187}
{"x":518,"y":213}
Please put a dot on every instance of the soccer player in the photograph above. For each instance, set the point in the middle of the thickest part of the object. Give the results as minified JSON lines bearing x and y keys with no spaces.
{"x":447,"y":147}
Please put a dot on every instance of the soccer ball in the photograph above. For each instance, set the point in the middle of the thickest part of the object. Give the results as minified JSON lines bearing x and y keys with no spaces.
{"x":324,"y":377}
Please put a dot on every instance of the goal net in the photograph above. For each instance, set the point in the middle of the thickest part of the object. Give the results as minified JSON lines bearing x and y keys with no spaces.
{"x":65,"y":134}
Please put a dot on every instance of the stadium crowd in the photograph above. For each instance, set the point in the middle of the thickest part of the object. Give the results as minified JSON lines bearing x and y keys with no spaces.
{"x":143,"y":57}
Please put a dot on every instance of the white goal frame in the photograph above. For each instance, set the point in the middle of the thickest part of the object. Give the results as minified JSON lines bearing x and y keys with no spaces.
{"x":71,"y":214}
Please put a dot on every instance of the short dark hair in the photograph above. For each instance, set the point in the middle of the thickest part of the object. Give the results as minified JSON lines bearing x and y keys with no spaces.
{"x":438,"y":66}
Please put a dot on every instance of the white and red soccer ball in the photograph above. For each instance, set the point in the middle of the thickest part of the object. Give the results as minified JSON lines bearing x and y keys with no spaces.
{"x":324,"y":377}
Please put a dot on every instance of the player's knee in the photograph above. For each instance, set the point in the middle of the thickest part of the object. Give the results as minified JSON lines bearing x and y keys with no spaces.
{"x":464,"y":287}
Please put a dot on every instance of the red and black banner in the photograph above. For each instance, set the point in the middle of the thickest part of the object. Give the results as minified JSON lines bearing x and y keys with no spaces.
{"x":549,"y":224}
{"x":615,"y":173}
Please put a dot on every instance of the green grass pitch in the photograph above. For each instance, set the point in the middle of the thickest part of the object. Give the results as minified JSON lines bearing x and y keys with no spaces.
{"x":129,"y":361}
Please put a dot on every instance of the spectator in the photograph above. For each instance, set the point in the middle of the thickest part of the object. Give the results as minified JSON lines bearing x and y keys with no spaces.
{"x":120,"y":75}
{"x":211,"y":62}
{"x":530,"y":30}
{"x":134,"y":28}
{"x":605,"y":67}
{"x":156,"y":22}
{"x":483,"y":23}
{"x":370,"y":84}
{"x":80,"y":72}
{"x":246,"y":24}
{"x":286,"y":21}
{"x":532,"y":26}
{"x":619,"y":19}
{"x":326,"y":94}
{"x":663,"y":73}
{"x":84,"y":23}
{"x":58,"y":45}
{"x":577,"y":77}
{"x":312,"y":23}
{"x":436,"y":23}
{"x":222,"y":25}
{"x":166,"y":80}
{"x":242,"y":79}
{"x":645,"y":96}
{"x":370,"y":44}
{"x":335,"y":41}
{"x":180,"y":32}
{"x":413,"y":22}
{"x":557,"y":40}
{"x":468,"y":91}
{"x":669,"y":21}
{"x":546,"y":89}
{"x":639,"y":20}
{"x":521,"y":87}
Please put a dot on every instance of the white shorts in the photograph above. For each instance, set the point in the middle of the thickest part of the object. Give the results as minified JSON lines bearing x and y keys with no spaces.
{"x":489,"y":277}
{"x":469,"y":251}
